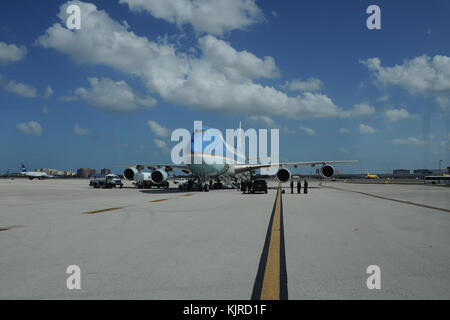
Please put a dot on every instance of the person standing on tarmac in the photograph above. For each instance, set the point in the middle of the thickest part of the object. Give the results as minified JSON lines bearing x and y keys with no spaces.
{"x":250,"y":185}
{"x":292,"y":186}
{"x":299,"y":186}
{"x":306,"y":187}
{"x":243,"y":186}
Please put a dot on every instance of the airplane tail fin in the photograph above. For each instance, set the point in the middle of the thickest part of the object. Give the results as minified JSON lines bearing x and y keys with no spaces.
{"x":23,"y":168}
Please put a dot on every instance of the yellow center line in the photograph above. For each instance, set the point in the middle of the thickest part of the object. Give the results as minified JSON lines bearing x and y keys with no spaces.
{"x":102,"y":210}
{"x":271,"y":282}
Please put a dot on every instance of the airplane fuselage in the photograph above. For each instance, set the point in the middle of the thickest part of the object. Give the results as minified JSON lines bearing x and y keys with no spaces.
{"x":34,"y":174}
{"x":208,"y":165}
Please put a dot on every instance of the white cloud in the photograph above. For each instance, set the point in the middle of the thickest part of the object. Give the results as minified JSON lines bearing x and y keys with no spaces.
{"x":214,"y":17}
{"x":11,"y":53}
{"x":286,"y":130}
{"x":79,"y":131}
{"x":48,"y":92}
{"x":237,"y":66}
{"x":311,"y":84}
{"x":18,"y":88}
{"x":45,"y":110}
{"x":212,"y":77}
{"x":30,"y":128}
{"x":395,"y":115}
{"x":361,"y":109}
{"x":419,"y":75}
{"x":383,"y":98}
{"x":264,"y":119}
{"x":116,"y":96}
{"x":366,"y":129}
{"x":268,"y":122}
{"x":161,"y":145}
{"x":343,"y":150}
{"x":308,"y":131}
{"x":158,"y":129}
{"x":410,"y":141}
{"x":344,"y":130}
{"x":443,"y":102}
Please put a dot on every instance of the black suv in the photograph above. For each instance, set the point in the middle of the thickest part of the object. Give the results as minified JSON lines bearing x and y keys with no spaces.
{"x":259,"y":185}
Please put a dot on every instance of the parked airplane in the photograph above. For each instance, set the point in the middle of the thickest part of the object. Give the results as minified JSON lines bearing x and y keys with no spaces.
{"x":203,"y":166}
{"x":371,"y":176}
{"x":34,"y":174}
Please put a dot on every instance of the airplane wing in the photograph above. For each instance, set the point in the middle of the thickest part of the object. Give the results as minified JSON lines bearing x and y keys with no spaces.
{"x":238,"y":168}
{"x":166,"y":167}
{"x":249,"y":167}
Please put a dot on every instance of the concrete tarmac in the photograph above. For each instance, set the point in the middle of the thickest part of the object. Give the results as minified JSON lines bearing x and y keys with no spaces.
{"x":167,"y":244}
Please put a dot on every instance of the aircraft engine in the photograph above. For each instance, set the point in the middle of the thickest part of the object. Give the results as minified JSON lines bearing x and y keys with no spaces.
{"x":327,"y":171}
{"x":283,"y":175}
{"x":129,"y":173}
{"x":159,"y":176}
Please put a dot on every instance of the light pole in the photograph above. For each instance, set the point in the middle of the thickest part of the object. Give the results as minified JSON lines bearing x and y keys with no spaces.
{"x":440,"y":171}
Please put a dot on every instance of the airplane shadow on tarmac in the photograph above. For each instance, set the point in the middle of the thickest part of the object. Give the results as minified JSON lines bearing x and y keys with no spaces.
{"x":174,"y":190}
{"x":170,"y":190}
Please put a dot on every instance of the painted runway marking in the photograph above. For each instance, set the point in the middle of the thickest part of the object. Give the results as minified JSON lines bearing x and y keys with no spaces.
{"x":9,"y":228}
{"x":102,"y":210}
{"x":391,"y":199}
{"x":271,"y":278}
{"x":123,"y":207}
{"x":112,"y":209}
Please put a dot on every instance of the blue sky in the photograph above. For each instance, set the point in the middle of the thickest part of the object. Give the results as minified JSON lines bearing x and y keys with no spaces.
{"x":336,"y":90}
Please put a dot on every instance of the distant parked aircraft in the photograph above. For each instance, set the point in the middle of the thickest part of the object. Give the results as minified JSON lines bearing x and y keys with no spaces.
{"x":34,"y":174}
{"x":371,"y":176}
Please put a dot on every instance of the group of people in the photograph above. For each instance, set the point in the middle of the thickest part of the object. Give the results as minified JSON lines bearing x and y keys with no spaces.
{"x":190,"y":184}
{"x":246,"y":186}
{"x":299,"y":186}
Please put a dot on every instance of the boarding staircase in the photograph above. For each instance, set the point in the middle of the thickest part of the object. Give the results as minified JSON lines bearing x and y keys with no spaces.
{"x":229,"y":181}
